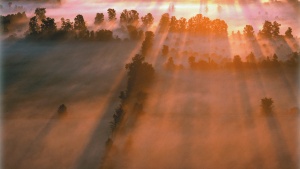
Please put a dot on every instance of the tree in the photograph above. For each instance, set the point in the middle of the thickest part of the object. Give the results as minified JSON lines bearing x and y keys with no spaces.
{"x":11,"y":21}
{"x":129,"y":18}
{"x":140,"y":75}
{"x":267,"y":105}
{"x":118,"y":116}
{"x":40,"y":13}
{"x":218,"y":27}
{"x":275,"y":60}
{"x":250,"y":58}
{"x":192,"y":62}
{"x":164,"y":22}
{"x":99,"y":18}
{"x":62,"y":109}
{"x":288,"y":33}
{"x":147,"y":43}
{"x":267,"y":30}
{"x":237,"y":61}
{"x":276,"y":29}
{"x":248,"y":31}
{"x":48,"y":26}
{"x":173,"y":24}
{"x":34,"y":27}
{"x":147,"y":20}
{"x":79,"y":23}
{"x":80,"y":27}
{"x":182,"y":24}
{"x":103,"y":35}
{"x":133,"y":32}
{"x":66,"y":25}
{"x":111,"y":14}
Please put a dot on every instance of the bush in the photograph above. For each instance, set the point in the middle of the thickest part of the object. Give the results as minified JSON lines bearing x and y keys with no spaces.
{"x":267,"y":105}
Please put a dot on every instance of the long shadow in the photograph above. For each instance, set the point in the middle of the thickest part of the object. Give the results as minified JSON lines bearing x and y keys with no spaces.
{"x":93,"y":151}
{"x":17,"y":62}
{"x":187,"y":131}
{"x":37,"y":140}
{"x":245,"y":102}
{"x":283,"y":156}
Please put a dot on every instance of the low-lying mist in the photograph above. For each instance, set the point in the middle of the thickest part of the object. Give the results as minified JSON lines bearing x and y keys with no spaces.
{"x":191,"y":119}
{"x":107,"y":100}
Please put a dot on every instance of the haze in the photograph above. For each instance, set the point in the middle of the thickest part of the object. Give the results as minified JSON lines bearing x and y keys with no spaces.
{"x":140,"y":96}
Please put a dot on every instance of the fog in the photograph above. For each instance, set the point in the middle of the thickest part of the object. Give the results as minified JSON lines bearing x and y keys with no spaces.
{"x":213,"y":120}
{"x":189,"y":118}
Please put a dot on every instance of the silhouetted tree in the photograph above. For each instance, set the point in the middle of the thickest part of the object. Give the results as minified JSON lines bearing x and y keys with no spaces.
{"x":111,"y":14}
{"x":219,"y":28}
{"x":140,"y":75}
{"x":147,"y":43}
{"x":237,"y":61}
{"x":99,"y":18}
{"x":182,"y":24}
{"x":173,"y":24}
{"x":147,"y":20}
{"x":129,"y":18}
{"x":118,"y":116}
{"x":133,"y":32}
{"x":104,"y":35}
{"x":267,"y":30}
{"x":34,"y":27}
{"x":251,"y":60}
{"x":248,"y":31}
{"x":275,"y":29}
{"x":122,"y":95}
{"x":62,"y":109}
{"x":164,"y":22}
{"x":275,"y":60}
{"x":267,"y":105}
{"x":79,"y":26}
{"x":40,"y":13}
{"x":79,"y":23}
{"x":66,"y":25}
{"x":48,"y":26}
{"x":11,"y":21}
{"x":288,"y":33}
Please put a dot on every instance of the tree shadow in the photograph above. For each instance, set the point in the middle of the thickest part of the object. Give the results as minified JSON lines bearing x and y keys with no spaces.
{"x":283,"y":155}
{"x":249,"y":117}
{"x":93,"y":152}
{"x":37,"y":141}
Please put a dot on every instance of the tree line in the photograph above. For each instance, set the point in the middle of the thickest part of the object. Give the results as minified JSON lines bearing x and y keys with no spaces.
{"x":140,"y":76}
{"x":251,"y":62}
{"x":11,"y":21}
{"x":129,"y":20}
